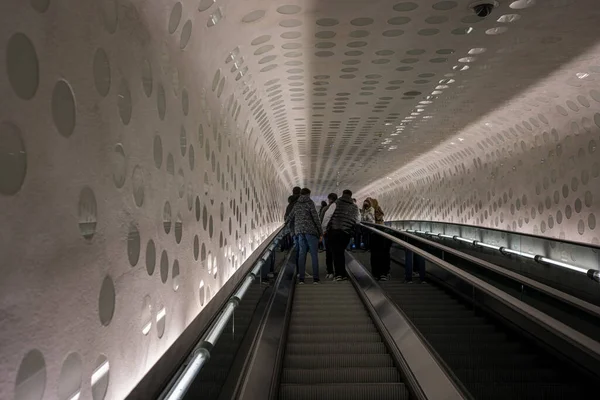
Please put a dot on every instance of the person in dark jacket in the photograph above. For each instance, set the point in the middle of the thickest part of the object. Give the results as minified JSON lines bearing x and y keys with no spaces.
{"x":328,"y":253}
{"x":307,"y":229}
{"x":294,"y":198}
{"x":291,"y":203}
{"x":338,"y":223}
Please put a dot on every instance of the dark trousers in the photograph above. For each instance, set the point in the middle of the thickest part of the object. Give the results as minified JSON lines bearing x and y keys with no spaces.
{"x":328,"y":254}
{"x":380,"y":255}
{"x":268,"y":266}
{"x":366,"y":238}
{"x":338,"y":241}
{"x":357,"y":237}
{"x":413,"y":261}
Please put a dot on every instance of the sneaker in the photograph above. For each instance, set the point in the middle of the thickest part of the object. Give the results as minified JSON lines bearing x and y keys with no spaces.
{"x":383,"y":278}
{"x":408,"y":282}
{"x":423,"y":282}
{"x":301,"y":283}
{"x":316,"y":282}
{"x":339,"y":278}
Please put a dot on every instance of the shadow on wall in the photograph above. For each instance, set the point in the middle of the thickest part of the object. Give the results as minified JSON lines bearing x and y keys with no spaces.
{"x":531,"y":167}
{"x":129,"y":192}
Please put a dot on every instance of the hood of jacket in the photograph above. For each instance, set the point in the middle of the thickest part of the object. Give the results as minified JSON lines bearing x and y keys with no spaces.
{"x":304,"y":199}
{"x":345,"y":199}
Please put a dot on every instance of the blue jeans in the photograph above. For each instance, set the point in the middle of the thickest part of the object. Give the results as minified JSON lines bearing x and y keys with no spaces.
{"x":308,"y":243}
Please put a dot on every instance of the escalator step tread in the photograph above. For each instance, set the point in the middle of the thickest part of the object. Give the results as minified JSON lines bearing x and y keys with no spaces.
{"x":491,"y":364}
{"x":529,"y":391}
{"x":507,"y":375}
{"x":389,"y":391}
{"x":340,"y":375}
{"x":495,"y":337}
{"x":329,"y":320}
{"x":331,"y":329}
{"x":338,"y":361}
{"x":336,"y":348}
{"x":330,"y":313}
{"x":340,"y":337}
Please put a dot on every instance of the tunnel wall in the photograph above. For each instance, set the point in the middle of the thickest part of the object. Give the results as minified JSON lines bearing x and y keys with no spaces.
{"x":531,"y":166}
{"x":130,"y":188}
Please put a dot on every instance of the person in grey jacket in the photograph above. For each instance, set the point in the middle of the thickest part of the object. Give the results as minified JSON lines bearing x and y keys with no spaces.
{"x":307,"y":230}
{"x":339,"y":221}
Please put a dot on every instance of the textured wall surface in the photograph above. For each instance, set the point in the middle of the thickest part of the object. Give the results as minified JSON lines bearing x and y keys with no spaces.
{"x":130,"y":189}
{"x":530,"y":166}
{"x":147,"y":146}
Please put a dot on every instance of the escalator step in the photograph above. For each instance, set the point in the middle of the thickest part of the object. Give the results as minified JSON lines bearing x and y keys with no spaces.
{"x":507,"y":375}
{"x":330,"y":313}
{"x":446,"y":347}
{"x":373,"y":391}
{"x":325,"y":305}
{"x":457,"y":329}
{"x":336,"y":348}
{"x":340,"y":375}
{"x":498,"y":360}
{"x":332,"y":329}
{"x":338,"y":361}
{"x":328,"y":320}
{"x":471,"y":338}
{"x":528,"y":391}
{"x":340,"y":337}
{"x":428,"y":321}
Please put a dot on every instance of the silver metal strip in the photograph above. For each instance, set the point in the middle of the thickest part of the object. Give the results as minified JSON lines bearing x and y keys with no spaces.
{"x":420,"y":366}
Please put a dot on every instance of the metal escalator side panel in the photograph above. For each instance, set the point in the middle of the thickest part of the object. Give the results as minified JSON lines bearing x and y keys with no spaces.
{"x":423,"y":373}
{"x":261,"y":376}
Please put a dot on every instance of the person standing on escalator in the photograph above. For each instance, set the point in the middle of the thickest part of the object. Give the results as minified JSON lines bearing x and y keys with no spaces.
{"x":307,"y":229}
{"x":291,"y":203}
{"x":338,"y":224}
{"x":367,"y":215}
{"x":380,"y":247}
{"x":328,"y":251}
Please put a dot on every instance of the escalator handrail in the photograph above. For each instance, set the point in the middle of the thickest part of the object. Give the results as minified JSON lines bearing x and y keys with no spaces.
{"x":583,"y":305}
{"x":576,"y":338}
{"x":199,"y":356}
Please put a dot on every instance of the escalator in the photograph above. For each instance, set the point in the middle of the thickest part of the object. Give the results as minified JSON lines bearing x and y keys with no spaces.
{"x":358,"y":339}
{"x":490,"y":361}
{"x":333,"y":349}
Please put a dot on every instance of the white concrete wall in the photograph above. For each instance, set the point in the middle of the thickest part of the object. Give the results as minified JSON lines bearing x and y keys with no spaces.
{"x":129,"y":188}
{"x":529,"y":166}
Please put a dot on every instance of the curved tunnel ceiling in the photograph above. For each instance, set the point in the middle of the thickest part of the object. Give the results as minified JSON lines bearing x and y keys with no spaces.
{"x":349,"y":91}
{"x":148,"y":146}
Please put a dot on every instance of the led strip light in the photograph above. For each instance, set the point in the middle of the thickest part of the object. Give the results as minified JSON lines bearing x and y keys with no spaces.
{"x":591,"y":273}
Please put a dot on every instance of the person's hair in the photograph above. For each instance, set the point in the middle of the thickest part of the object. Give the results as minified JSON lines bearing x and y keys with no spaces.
{"x":305,"y":191}
{"x":290,"y":199}
{"x":347,"y":192}
{"x":332,"y":196}
{"x":296,"y":191}
{"x":323,"y":204}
